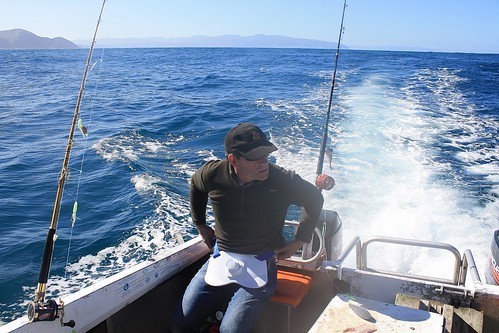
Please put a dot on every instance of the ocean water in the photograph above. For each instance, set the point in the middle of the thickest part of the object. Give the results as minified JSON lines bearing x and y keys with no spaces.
{"x":414,"y":139}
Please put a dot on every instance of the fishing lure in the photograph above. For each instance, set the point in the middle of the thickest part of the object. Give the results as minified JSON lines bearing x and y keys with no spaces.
{"x":73,"y":216}
{"x":82,"y":128}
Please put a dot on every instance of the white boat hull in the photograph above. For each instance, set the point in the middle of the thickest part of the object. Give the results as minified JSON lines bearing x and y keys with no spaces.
{"x":96,"y":303}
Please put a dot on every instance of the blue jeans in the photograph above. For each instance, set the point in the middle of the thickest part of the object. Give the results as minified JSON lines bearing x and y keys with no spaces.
{"x":201,"y":300}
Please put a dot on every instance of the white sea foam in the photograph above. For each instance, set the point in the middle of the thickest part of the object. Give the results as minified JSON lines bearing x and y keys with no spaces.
{"x":111,"y":151}
{"x":127,"y":147}
{"x":144,"y":182}
{"x":206,"y":155}
{"x":153,"y":146}
{"x":388,"y":180}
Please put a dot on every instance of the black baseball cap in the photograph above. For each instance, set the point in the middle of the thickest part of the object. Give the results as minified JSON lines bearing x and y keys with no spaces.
{"x":248,"y":140}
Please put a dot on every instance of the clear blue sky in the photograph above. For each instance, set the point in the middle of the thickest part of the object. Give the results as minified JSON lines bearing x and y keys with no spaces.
{"x":436,"y":25}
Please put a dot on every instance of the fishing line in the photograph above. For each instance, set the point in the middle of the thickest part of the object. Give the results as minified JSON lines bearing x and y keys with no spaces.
{"x":84,"y":133}
{"x":333,"y":80}
{"x":323,"y":181}
{"x":39,"y":309}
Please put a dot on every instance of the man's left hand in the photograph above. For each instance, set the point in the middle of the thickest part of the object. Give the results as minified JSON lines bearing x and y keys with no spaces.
{"x":289,"y":249}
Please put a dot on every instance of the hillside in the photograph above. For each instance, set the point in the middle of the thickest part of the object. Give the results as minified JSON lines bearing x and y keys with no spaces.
{"x":263,"y":41}
{"x":22,"y":39}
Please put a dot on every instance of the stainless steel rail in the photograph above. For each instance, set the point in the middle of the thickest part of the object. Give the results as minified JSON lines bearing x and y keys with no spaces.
{"x":307,"y":248}
{"x":460,"y":266}
{"x":417,"y":243}
{"x":337,"y":264}
{"x":469,"y":264}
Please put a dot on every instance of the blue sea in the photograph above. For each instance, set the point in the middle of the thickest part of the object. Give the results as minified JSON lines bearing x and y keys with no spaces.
{"x":414,"y":139}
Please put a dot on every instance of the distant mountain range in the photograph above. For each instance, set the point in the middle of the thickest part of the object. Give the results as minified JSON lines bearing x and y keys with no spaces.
{"x":22,"y":39}
{"x":262,"y":41}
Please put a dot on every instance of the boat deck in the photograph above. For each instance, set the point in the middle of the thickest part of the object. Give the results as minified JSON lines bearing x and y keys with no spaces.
{"x":340,"y":315}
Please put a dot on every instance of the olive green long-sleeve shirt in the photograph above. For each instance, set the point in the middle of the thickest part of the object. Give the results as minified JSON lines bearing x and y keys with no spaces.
{"x":250,"y":219}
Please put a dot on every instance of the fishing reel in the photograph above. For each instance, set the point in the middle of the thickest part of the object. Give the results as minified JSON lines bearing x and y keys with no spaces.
{"x":324,"y":182}
{"x":48,"y":311}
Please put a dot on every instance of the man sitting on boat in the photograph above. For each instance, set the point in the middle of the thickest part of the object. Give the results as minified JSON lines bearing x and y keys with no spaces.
{"x":250,"y":198}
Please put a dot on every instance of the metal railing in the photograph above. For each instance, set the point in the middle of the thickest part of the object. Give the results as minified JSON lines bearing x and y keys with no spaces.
{"x":469,"y":265}
{"x":416,"y":243}
{"x":306,"y":256}
{"x":460,"y":266}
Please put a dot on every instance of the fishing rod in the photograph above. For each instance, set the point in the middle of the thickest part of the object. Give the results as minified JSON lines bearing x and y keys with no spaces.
{"x":324,"y":135}
{"x":39,"y":310}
